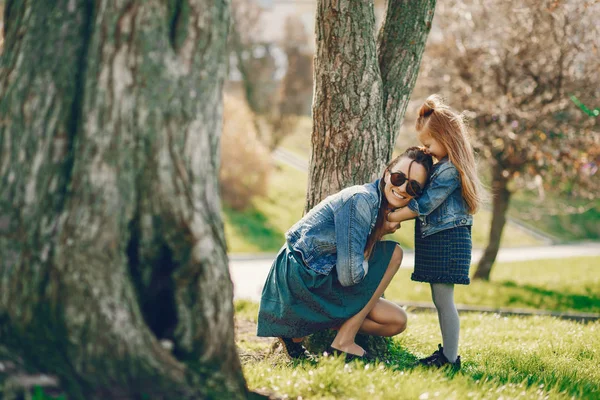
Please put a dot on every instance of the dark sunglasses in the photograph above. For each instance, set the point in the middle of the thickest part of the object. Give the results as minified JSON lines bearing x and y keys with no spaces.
{"x":413,"y":187}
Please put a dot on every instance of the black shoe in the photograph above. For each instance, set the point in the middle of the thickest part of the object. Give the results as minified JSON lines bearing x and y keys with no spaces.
{"x":433,"y":357}
{"x":438,"y":359}
{"x":366,"y":357}
{"x":294,"y":350}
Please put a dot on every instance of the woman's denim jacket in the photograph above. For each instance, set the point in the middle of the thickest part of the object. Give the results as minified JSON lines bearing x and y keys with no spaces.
{"x":335,"y":232}
{"x":441,"y":206}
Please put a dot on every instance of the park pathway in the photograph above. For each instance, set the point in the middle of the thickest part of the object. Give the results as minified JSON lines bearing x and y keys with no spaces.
{"x":248,"y":272}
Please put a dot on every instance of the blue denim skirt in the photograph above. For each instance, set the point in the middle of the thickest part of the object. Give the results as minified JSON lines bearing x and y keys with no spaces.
{"x":297,"y":301}
{"x":444,"y":257}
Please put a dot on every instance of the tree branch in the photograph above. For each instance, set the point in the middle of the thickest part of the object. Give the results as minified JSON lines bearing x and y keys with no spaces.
{"x":401,"y":42}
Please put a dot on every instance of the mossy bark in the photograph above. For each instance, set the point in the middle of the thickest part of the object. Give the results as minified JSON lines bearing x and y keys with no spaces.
{"x":362,"y":88}
{"x":110,"y":229}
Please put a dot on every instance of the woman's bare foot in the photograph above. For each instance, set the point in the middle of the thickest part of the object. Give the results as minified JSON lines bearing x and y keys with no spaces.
{"x":351,"y":348}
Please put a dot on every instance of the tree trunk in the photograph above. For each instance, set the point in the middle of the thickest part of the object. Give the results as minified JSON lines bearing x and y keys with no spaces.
{"x":349,"y":140}
{"x":400,"y":47}
{"x":500,"y":206}
{"x":110,"y":228}
{"x":361,"y":94}
{"x":360,"y":97}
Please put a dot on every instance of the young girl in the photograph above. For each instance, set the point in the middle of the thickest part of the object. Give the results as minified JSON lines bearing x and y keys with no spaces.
{"x":333,"y":269}
{"x":444,"y":211}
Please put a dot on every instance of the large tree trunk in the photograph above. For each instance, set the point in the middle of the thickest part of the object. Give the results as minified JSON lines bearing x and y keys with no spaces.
{"x":110,"y":228}
{"x":362,"y":89}
{"x":501,"y":202}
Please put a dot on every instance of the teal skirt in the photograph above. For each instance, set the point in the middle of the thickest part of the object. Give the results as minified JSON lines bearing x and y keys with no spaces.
{"x":297,"y":301}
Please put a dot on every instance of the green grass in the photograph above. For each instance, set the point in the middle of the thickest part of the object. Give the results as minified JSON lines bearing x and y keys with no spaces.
{"x":503,"y":357}
{"x":557,"y":285}
{"x":535,"y":357}
{"x":564,"y":226}
{"x":246,"y":309}
{"x":261,"y":228}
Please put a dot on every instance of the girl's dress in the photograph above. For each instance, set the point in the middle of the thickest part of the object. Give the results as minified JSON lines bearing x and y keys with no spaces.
{"x":297,"y":301}
{"x":443,"y":257}
{"x":442,"y":229}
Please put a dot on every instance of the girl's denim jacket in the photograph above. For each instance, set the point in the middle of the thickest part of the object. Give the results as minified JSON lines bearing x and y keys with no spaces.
{"x":334,"y":233}
{"x":441,"y":206}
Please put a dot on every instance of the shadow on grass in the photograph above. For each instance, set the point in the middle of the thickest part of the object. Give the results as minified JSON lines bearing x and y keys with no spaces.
{"x":541,"y":298}
{"x":253,"y":226}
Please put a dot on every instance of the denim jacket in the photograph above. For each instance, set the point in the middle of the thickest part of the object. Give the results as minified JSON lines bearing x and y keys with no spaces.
{"x":334,"y":233}
{"x":441,"y":206}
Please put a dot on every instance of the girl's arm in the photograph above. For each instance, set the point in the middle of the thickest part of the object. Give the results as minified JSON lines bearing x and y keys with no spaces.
{"x":352,"y":223}
{"x":401,"y":214}
{"x":434,"y":195}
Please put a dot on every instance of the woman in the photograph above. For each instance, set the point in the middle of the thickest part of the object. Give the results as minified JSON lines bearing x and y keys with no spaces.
{"x":333,"y":269}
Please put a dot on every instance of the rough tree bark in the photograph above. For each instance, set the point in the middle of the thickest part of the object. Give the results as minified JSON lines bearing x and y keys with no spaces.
{"x":501,"y":201}
{"x":362,"y":88}
{"x":110,"y":228}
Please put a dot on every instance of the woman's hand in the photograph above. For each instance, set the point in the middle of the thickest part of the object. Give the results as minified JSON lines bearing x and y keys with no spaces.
{"x":389,"y":227}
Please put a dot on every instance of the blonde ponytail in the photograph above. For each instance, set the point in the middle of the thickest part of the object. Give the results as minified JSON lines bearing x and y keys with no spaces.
{"x":449,"y":128}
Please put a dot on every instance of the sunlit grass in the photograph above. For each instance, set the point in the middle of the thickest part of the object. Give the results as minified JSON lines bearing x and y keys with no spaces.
{"x":246,"y":309}
{"x":262,"y":227}
{"x":503,"y":357}
{"x":559,"y":223}
{"x":535,"y":357}
{"x":559,"y":285}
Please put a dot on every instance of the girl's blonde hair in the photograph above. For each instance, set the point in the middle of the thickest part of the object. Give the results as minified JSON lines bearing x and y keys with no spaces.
{"x":449,"y":128}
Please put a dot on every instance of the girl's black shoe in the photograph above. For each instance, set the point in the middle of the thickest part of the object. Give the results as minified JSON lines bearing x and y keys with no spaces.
{"x":294,"y":350}
{"x":433,"y":357}
{"x":439,"y":360}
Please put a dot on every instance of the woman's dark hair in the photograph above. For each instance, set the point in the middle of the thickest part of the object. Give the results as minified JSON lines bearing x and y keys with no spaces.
{"x":420,"y":157}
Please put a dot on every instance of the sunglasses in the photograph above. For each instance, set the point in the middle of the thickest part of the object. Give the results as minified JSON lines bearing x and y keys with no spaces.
{"x":413,"y":187}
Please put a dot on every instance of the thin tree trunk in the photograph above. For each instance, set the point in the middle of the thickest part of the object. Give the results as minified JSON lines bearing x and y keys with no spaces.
{"x":400,"y":47}
{"x":362,"y":89}
{"x":501,"y":202}
{"x":110,"y":228}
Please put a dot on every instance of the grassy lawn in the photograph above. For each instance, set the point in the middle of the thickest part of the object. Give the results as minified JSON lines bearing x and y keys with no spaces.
{"x":503,"y":357}
{"x":566,"y":227}
{"x":558,"y":285}
{"x":262,"y":227}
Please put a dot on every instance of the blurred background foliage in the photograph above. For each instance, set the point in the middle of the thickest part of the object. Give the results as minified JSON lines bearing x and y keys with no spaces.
{"x":525,"y":73}
{"x":513,"y":67}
